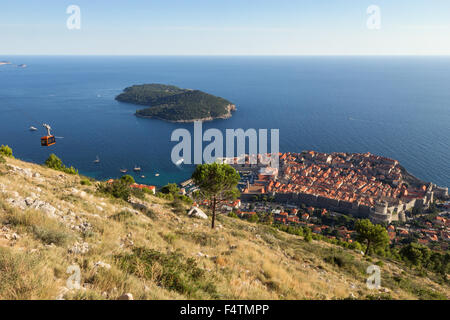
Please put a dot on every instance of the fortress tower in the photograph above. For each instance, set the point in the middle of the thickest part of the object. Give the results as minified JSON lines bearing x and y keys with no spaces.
{"x":379,"y":213}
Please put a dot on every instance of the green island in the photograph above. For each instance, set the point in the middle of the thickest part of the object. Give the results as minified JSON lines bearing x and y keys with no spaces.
{"x":170,"y":103}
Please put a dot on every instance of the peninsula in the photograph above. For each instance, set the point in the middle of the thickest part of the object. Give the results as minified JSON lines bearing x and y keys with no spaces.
{"x":170,"y":103}
{"x":361,"y":185}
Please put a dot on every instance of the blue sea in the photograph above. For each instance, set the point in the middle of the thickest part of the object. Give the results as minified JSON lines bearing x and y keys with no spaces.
{"x":397,"y":107}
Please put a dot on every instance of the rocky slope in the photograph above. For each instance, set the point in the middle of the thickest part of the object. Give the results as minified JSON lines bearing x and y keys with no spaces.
{"x":52,"y":226}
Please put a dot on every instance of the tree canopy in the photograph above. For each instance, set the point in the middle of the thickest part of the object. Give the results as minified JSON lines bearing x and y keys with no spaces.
{"x":55,"y":163}
{"x":128,"y":179}
{"x":374,"y":235}
{"x":217,"y":182}
{"x":170,"y":188}
{"x":6,"y":151}
{"x":415,"y":254}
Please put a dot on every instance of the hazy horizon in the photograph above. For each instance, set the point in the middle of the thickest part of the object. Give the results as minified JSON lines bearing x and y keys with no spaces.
{"x":230,"y":56}
{"x":232,"y":28}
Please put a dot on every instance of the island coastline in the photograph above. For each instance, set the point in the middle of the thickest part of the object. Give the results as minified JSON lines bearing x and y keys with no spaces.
{"x":173,"y":104}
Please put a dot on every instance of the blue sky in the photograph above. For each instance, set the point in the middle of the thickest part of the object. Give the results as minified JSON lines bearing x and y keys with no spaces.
{"x":225,"y":27}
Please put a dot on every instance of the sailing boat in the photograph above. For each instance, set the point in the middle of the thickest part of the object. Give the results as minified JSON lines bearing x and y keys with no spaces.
{"x":136,"y":168}
{"x":97,"y":160}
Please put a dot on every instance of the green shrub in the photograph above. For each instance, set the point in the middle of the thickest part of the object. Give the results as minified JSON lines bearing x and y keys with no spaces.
{"x":118,"y":189}
{"x":122,"y":216}
{"x":6,"y":151}
{"x":165,"y":196}
{"x":340,"y":259}
{"x":170,"y":237}
{"x":149,"y":213}
{"x":50,"y":235}
{"x":178,"y":206}
{"x":138,"y":193}
{"x":335,"y":260}
{"x":169,"y":270}
{"x":422,"y":292}
{"x":53,"y":162}
{"x":232,"y":215}
{"x":85,"y":182}
{"x":415,"y":254}
{"x":170,"y":188}
{"x":2,"y":160}
{"x":185,"y":199}
{"x":289,"y":229}
{"x":381,"y":296}
{"x":128,"y":179}
{"x":83,"y":295}
{"x":308,"y":238}
{"x":379,"y":263}
{"x":41,"y":226}
{"x":147,"y":191}
{"x":307,"y":234}
{"x":253,"y":218}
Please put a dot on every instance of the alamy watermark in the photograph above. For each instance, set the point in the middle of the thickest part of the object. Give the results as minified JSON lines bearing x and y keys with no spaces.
{"x":374,"y":280}
{"x":235,"y":140}
{"x":74,"y":280}
{"x":74,"y":20}
{"x":374,"y":20}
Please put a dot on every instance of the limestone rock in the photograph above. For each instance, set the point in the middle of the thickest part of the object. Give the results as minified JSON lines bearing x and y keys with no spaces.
{"x":101,"y":264}
{"x":23,"y":172}
{"x":197,"y":213}
{"x":79,"y":248}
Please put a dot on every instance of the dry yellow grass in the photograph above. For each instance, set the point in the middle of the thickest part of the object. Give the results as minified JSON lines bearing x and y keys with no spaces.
{"x":239,"y":260}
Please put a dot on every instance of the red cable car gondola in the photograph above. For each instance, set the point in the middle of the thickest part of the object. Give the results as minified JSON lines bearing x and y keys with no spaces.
{"x":49,"y":139}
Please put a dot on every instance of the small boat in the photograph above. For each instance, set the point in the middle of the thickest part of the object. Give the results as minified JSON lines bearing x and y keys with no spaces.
{"x":179,"y":162}
{"x":97,"y":160}
{"x":33,"y":128}
{"x":143,"y":177}
{"x":124,"y":170}
{"x":157,"y":175}
{"x":136,"y":168}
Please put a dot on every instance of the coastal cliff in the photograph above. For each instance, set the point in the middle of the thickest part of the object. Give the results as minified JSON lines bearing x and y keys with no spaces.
{"x":230,"y":109}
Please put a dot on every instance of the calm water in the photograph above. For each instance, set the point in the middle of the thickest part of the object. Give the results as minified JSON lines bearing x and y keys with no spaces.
{"x":396,"y":107}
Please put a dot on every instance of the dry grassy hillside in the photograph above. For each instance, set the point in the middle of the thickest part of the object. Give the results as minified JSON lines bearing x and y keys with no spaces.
{"x":50,"y":221}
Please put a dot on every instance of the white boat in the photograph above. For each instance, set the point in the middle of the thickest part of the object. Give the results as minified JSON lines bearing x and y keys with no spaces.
{"x":136,"y":168}
{"x":124,"y":170}
{"x":157,"y":175}
{"x":143,"y":177}
{"x":33,"y":128}
{"x":97,"y":160}
{"x":179,"y":162}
